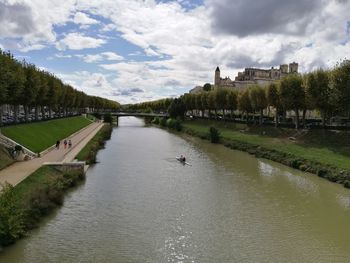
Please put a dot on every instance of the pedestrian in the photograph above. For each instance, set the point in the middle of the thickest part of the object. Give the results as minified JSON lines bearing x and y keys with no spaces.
{"x":57,"y":144}
{"x":69,"y":144}
{"x":65,"y":144}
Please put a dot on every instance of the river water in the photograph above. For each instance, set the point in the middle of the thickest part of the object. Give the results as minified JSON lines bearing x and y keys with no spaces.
{"x":139,"y":204}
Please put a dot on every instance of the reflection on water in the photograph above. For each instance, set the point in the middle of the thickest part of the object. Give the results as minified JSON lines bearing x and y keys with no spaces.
{"x":141,"y":205}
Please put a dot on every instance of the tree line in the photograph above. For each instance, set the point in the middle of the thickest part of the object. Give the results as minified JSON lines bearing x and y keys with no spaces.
{"x":23,"y":85}
{"x":324,"y":92}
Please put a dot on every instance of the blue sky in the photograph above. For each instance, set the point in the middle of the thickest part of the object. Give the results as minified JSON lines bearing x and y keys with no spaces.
{"x":139,"y":50}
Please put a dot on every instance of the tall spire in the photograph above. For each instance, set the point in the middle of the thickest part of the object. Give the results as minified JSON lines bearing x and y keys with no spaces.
{"x":217,"y":68}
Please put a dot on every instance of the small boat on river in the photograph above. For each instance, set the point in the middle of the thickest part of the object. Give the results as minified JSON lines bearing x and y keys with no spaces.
{"x":182,"y":160}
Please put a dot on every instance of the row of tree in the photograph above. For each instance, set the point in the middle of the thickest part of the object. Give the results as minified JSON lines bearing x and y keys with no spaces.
{"x":326,"y":92}
{"x":23,"y":84}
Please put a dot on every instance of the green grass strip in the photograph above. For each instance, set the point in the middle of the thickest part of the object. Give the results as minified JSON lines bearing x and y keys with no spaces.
{"x":316,"y":153}
{"x":88,"y":153}
{"x":39,"y":136}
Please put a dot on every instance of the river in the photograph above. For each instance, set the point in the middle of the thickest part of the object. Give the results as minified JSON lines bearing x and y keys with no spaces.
{"x":139,"y":204}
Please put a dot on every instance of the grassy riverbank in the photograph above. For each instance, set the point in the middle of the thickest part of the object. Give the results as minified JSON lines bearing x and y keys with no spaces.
{"x":21,"y":207}
{"x":39,"y":136}
{"x":88,"y":153}
{"x":317,"y":151}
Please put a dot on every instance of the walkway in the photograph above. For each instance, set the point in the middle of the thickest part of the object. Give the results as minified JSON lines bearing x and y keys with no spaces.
{"x":17,"y":172}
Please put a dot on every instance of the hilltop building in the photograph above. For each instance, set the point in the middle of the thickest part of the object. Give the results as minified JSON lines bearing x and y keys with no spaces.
{"x":251,"y":76}
{"x":255,"y":76}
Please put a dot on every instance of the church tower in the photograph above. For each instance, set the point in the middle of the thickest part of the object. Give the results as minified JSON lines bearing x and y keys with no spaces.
{"x":217,"y":79}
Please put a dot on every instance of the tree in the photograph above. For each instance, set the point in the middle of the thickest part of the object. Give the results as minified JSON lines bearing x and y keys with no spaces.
{"x":244,"y":104}
{"x":207,"y":87}
{"x":204,"y":100}
{"x":341,"y":83}
{"x":231,"y":100}
{"x":319,"y":91}
{"x":220,"y":100}
{"x":177,"y":108}
{"x":30,"y":88}
{"x":211,"y":103}
{"x":258,"y":100}
{"x":274,"y":99}
{"x":293,"y":95}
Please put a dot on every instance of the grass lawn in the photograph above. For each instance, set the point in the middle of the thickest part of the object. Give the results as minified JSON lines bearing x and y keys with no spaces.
{"x":315,"y":149}
{"x":39,"y":136}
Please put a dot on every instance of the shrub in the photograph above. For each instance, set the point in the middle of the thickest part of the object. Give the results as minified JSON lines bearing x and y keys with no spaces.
{"x":97,"y":115}
{"x":107,"y":118}
{"x":214,"y":135}
{"x":156,"y":121}
{"x":163,"y":122}
{"x":174,"y":124}
{"x":11,"y":216}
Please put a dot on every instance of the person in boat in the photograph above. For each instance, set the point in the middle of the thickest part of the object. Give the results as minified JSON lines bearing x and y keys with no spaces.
{"x":182,"y":158}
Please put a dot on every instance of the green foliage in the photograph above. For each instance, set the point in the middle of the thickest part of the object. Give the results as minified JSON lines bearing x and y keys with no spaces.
{"x":163,"y":122}
{"x":244,"y":103}
{"x":293,"y":95}
{"x":41,"y":135}
{"x":88,"y":153}
{"x":22,"y":206}
{"x":177,"y":108}
{"x":97,"y":115}
{"x":156,"y":121}
{"x":207,"y":87}
{"x":174,"y":124}
{"x":21,"y":83}
{"x":107,"y":117}
{"x":214,"y":135}
{"x":11,"y":216}
{"x":340,"y":81}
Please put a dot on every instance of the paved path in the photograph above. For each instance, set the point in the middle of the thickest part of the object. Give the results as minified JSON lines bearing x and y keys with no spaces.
{"x":18,"y":171}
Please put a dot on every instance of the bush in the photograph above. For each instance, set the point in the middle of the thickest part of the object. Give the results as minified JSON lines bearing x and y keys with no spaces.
{"x":163,"y":122}
{"x":97,"y":115}
{"x":214,"y":135}
{"x":156,"y":121}
{"x":174,"y":124}
{"x":11,"y":216}
{"x":107,"y":118}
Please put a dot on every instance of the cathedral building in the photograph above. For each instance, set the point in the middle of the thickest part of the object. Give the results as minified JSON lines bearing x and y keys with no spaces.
{"x":252,"y":76}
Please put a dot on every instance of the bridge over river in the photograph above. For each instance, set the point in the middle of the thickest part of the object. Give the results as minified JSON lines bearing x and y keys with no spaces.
{"x":137,"y":114}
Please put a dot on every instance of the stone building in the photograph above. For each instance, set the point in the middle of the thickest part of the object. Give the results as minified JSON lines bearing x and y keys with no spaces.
{"x":255,"y":76}
{"x":251,"y":76}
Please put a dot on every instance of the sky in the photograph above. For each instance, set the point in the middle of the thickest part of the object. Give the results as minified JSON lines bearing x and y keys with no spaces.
{"x":141,"y":50}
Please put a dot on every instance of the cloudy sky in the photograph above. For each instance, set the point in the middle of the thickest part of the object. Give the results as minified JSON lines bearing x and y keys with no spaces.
{"x":139,"y":50}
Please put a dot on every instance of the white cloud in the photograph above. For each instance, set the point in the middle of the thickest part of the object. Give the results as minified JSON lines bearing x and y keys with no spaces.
{"x":84,"y":19}
{"x":32,"y":47}
{"x":104,"y":56}
{"x":184,"y":44}
{"x":78,"y":41}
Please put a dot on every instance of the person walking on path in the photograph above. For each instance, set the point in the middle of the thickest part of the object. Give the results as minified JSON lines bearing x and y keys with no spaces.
{"x":57,"y":144}
{"x":69,"y":144}
{"x":65,"y":144}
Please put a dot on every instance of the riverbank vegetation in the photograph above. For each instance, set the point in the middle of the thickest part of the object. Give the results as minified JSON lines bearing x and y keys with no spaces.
{"x":22,"y":207}
{"x":31,"y":94}
{"x":330,"y":160}
{"x":89,"y":152}
{"x":39,"y":136}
